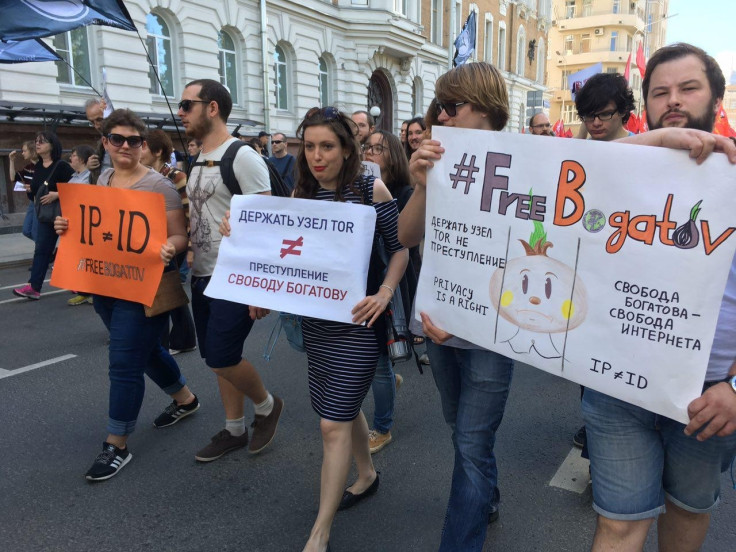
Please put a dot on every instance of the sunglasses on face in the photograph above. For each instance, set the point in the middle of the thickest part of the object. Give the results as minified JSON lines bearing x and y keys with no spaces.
{"x":277,"y":142}
{"x":602,"y":116}
{"x":375,"y":149}
{"x":118,"y":140}
{"x":186,"y":105}
{"x":449,"y":108}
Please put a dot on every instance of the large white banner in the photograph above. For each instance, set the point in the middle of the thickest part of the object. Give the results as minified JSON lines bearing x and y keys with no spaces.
{"x":602,"y":263}
{"x":297,"y":255}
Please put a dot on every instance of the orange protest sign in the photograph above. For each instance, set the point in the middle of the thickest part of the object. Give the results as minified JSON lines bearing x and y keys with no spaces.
{"x":113,"y":243}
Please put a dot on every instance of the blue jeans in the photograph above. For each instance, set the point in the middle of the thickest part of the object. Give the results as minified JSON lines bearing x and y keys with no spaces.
{"x":473,"y":385}
{"x":637,"y":458}
{"x":135,"y":350}
{"x":30,"y":222}
{"x":45,"y":243}
{"x":384,"y":394}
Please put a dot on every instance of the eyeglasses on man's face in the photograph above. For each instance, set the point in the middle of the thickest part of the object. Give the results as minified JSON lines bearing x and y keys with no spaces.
{"x":118,"y":140}
{"x":277,"y":142}
{"x":374,"y":149}
{"x":602,"y":116}
{"x":543,"y":125}
{"x":186,"y":105}
{"x":449,"y":108}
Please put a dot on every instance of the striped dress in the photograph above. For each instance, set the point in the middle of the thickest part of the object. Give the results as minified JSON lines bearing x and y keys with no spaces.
{"x":342,"y":357}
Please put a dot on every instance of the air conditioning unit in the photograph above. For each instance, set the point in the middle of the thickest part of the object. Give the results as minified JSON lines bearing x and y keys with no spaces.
{"x":598,"y":31}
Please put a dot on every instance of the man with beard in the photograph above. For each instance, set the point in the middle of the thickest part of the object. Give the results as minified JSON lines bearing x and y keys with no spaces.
{"x":222,"y":326}
{"x":646,"y":466}
{"x":539,"y":124}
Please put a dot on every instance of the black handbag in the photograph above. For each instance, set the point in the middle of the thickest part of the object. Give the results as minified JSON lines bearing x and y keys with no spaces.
{"x":46,"y":212}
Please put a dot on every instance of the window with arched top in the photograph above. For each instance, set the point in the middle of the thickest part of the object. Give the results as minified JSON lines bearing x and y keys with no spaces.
{"x":73,"y":46}
{"x":520,"y":51}
{"x":228,"y":64}
{"x":324,"y":83}
{"x":159,"y":47}
{"x":280,"y":77}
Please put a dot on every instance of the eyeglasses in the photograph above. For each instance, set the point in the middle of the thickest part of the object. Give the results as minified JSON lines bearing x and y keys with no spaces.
{"x":449,"y":108}
{"x":186,"y":105}
{"x":277,"y":142}
{"x":375,"y":149}
{"x":542,"y":125}
{"x":602,"y":116}
{"x":118,"y":140}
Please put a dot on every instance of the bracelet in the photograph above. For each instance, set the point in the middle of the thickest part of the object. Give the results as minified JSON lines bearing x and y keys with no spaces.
{"x":388,"y":288}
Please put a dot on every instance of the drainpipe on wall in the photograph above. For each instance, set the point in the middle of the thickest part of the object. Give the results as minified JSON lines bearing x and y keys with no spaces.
{"x":451,"y":34}
{"x":264,"y":63}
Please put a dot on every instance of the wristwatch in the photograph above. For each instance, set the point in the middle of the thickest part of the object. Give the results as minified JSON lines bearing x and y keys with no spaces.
{"x":731,"y":380}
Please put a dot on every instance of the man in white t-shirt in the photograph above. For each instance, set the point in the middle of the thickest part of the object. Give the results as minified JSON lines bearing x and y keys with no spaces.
{"x":222,"y":326}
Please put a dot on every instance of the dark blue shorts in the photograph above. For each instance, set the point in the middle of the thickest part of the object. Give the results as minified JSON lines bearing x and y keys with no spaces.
{"x":222,"y":326}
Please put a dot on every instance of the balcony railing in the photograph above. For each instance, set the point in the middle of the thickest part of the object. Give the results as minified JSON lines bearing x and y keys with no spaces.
{"x":579,"y":49}
{"x":579,"y":12}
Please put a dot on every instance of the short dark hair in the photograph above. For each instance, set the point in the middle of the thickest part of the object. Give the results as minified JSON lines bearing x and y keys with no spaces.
{"x":368,"y":116}
{"x":84,"y":152}
{"x":52,"y":139}
{"x":196,"y":141}
{"x":415,"y":121}
{"x":213,"y":91}
{"x":263,"y":133}
{"x":160,"y":144}
{"x":601,"y":89}
{"x":679,"y":50}
{"x":123,"y":117}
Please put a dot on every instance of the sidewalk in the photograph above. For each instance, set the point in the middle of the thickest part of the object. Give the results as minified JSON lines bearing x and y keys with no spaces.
{"x":15,"y":250}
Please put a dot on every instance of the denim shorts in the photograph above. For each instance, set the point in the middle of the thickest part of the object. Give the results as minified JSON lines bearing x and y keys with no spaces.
{"x":637,"y":458}
{"x":222,"y":326}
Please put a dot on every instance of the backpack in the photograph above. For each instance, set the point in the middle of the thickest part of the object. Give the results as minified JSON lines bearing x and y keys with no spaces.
{"x":278,"y":188}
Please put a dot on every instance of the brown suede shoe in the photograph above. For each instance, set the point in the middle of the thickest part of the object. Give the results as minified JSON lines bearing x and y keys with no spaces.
{"x":264,"y":427}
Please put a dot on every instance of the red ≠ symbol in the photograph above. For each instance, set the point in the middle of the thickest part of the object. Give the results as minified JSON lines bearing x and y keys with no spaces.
{"x":291,"y":246}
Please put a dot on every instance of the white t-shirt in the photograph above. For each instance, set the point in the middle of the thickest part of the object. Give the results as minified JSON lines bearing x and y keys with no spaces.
{"x":209,"y":198}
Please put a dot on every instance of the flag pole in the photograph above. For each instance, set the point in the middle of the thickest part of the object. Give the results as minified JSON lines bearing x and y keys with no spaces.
{"x":158,"y":79}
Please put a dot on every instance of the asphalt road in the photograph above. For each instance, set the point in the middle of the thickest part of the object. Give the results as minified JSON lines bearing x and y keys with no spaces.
{"x":52,"y":424}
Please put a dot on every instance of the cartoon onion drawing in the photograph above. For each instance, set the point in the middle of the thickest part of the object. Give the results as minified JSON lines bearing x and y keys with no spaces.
{"x":687,"y":236}
{"x":541,"y":296}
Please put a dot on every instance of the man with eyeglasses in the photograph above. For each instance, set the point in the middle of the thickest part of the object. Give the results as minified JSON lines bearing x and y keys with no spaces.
{"x":539,"y":124}
{"x":604,"y":104}
{"x":95,"y":109}
{"x":282,"y":160}
{"x":223,"y":326}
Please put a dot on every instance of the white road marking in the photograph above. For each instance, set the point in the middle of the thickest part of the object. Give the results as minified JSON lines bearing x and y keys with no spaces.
{"x":572,"y":475}
{"x":8,"y":373}
{"x":18,"y":285}
{"x":44,"y":294}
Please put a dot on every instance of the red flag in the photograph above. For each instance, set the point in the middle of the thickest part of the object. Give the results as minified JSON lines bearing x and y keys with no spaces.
{"x":632,"y":125}
{"x":641,"y":62}
{"x":568,"y":133}
{"x":643,"y":125}
{"x":559,"y":128}
{"x":722,"y":125}
{"x":627,"y":71}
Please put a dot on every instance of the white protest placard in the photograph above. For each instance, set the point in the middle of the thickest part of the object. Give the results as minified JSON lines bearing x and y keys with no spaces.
{"x":296,"y":255}
{"x":599,"y":262}
{"x":19,"y":187}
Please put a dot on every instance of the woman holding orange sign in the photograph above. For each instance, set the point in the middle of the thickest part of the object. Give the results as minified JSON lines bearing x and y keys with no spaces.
{"x":135,"y":347}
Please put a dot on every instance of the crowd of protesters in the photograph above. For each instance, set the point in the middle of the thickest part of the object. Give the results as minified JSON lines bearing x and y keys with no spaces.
{"x":643,"y":467}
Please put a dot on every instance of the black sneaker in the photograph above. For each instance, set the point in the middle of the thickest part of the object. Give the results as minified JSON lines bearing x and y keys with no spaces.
{"x":175,"y":412}
{"x":108,"y":463}
{"x":579,"y":438}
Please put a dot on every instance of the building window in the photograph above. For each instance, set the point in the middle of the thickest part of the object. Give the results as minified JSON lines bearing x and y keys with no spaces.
{"x":635,"y":80}
{"x":614,"y":40}
{"x":489,"y":39}
{"x":436,"y":22}
{"x":520,"y":51}
{"x":568,"y":45}
{"x":279,"y":71}
{"x":611,"y":70}
{"x":541,"y":60}
{"x":585,"y":43}
{"x":501,"y":47}
{"x":587,"y":8}
{"x":228,"y":65}
{"x":159,"y":48}
{"x":400,"y":6}
{"x":570,"y":114}
{"x":616,"y":6}
{"x":569,"y":9}
{"x":324,"y":83}
{"x":563,"y":84}
{"x":73,"y":46}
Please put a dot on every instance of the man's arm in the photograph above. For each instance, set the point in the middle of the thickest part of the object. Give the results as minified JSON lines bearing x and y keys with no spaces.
{"x":700,"y":143}
{"x":714,"y":411}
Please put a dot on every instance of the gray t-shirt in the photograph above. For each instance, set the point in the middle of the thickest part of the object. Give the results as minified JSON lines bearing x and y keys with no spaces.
{"x":209,"y":198}
{"x":151,"y":182}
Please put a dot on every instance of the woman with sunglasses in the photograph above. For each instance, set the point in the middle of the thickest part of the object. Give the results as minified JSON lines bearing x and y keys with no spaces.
{"x":473,"y":382}
{"x":386,"y":150}
{"x":342,"y":357}
{"x":135,"y":347}
{"x":50,"y":170}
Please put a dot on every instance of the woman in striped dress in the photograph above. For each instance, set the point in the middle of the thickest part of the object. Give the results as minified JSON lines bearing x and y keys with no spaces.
{"x":342,"y":357}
